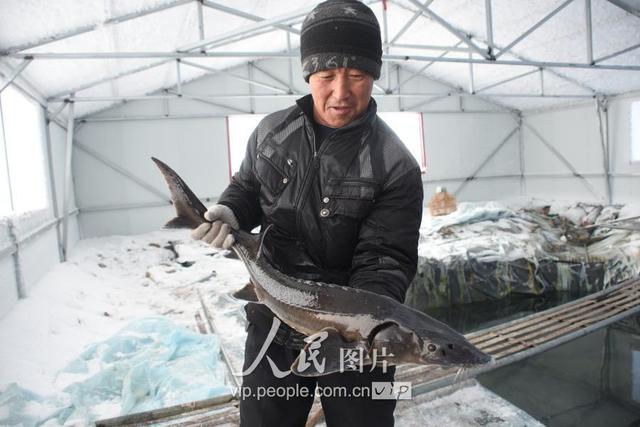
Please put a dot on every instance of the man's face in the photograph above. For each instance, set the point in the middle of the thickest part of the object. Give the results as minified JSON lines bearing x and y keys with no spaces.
{"x":340,"y":95}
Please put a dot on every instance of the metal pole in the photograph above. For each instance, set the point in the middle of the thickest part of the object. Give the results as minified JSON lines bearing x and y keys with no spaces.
{"x":532,"y":29}
{"x":178,"y":77}
{"x":236,"y":77}
{"x":626,"y":6}
{"x":89,"y":28}
{"x":111,"y":78}
{"x":602,"y":110}
{"x":563,"y":160}
{"x":280,"y":19}
{"x":200,"y":20}
{"x":471,"y":82}
{"x":400,"y":108}
{"x":66,"y":198}
{"x":489,"y":19}
{"x":385,"y":40}
{"x":462,"y":36}
{"x":620,"y":52}
{"x":520,"y":63}
{"x":523,"y":189}
{"x":204,"y":101}
{"x":122,"y":171}
{"x":421,"y":70}
{"x":52,"y":184}
{"x":542,"y":82}
{"x":245,"y":15}
{"x":290,"y":64}
{"x":484,"y":163}
{"x":501,"y":82}
{"x":410,"y":22}
{"x":290,"y":91}
{"x":589,"y":34}
{"x":6,"y":159}
{"x":252,"y":102}
{"x":15,"y":73}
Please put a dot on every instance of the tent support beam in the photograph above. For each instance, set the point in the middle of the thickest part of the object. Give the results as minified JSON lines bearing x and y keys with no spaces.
{"x":459,"y":34}
{"x":602,"y":110}
{"x":415,"y":74}
{"x":52,"y":184}
{"x":290,"y":89}
{"x":484,"y":163}
{"x":533,"y":28}
{"x":200,"y":20}
{"x":489,"y":24}
{"x":15,"y":73}
{"x":66,"y":194}
{"x":626,"y":7}
{"x":286,"y":95}
{"x":523,"y":188}
{"x":93,"y":27}
{"x":563,"y":159}
{"x":410,"y":22}
{"x":285,"y":55}
{"x":99,"y":157}
{"x":620,"y":52}
{"x":236,"y":77}
{"x":205,"y":101}
{"x":245,"y":15}
{"x":589,"y":31}
{"x":248,"y":29}
{"x":501,"y":82}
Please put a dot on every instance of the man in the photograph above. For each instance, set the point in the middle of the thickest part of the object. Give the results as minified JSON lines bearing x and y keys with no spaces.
{"x":344,"y":198}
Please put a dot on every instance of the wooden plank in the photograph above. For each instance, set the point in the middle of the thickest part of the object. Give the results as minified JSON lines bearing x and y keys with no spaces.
{"x":541,"y":321}
{"x":558,"y":324}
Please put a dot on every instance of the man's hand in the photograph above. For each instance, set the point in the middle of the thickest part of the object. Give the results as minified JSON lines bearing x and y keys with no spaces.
{"x":217,"y":232}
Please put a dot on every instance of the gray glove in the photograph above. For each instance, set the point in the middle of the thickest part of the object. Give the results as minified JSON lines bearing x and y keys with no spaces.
{"x":217,"y":232}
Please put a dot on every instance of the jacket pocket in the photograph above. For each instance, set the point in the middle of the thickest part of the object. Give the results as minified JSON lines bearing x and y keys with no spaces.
{"x":273,"y":171}
{"x":351,"y":197}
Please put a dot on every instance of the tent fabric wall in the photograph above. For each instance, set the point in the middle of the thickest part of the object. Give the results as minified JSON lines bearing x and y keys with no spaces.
{"x":575,"y":133}
{"x":36,"y":234}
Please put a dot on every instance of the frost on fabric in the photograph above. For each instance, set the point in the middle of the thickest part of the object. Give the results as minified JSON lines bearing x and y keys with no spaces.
{"x":486,"y":251}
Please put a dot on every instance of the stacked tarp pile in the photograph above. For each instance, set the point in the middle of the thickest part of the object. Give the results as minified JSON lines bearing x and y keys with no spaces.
{"x":491,"y":250}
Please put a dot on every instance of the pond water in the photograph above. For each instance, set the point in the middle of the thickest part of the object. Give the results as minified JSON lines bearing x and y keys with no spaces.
{"x":591,"y":381}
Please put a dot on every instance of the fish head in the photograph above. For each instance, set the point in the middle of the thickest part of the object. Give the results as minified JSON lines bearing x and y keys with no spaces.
{"x":396,"y":344}
{"x":451,"y":350}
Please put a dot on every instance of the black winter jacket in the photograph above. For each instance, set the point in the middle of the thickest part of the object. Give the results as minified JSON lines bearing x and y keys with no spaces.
{"x":345,"y":210}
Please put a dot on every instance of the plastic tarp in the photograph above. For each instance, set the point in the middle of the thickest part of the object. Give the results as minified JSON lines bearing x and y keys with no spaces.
{"x":487,"y":251}
{"x":151,"y":363}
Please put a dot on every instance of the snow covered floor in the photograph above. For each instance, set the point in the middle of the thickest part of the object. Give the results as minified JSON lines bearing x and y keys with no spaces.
{"x":107,"y":284}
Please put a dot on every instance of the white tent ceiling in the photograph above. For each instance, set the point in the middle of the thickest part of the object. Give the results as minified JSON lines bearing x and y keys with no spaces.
{"x":79,"y":47}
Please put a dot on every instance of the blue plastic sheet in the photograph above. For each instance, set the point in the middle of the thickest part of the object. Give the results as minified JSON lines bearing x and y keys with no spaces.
{"x":150,"y":364}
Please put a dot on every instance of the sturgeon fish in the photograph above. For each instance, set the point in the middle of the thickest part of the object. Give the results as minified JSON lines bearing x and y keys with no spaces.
{"x":346,"y":319}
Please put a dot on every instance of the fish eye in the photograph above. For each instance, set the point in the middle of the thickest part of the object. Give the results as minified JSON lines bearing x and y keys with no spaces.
{"x":432,"y":347}
{"x":450,"y":346}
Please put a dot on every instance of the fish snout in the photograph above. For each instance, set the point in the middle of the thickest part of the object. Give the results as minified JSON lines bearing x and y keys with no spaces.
{"x":454,"y":354}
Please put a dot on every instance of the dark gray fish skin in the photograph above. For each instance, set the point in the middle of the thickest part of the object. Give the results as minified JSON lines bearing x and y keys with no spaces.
{"x":356,"y":318}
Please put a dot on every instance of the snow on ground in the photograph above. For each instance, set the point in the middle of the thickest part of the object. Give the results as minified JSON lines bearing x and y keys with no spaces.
{"x":107,"y":285}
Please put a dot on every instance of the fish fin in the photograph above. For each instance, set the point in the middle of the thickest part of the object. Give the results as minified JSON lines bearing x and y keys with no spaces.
{"x":179,"y":222}
{"x":322,"y":355}
{"x":189,"y":209}
{"x":262,"y":235}
{"x":247,"y":293}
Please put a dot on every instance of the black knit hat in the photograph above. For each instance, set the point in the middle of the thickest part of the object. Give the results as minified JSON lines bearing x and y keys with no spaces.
{"x":341,"y":33}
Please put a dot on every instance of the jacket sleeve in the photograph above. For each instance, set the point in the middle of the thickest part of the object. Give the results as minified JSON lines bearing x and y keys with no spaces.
{"x":243,"y":193}
{"x":386,"y":255}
